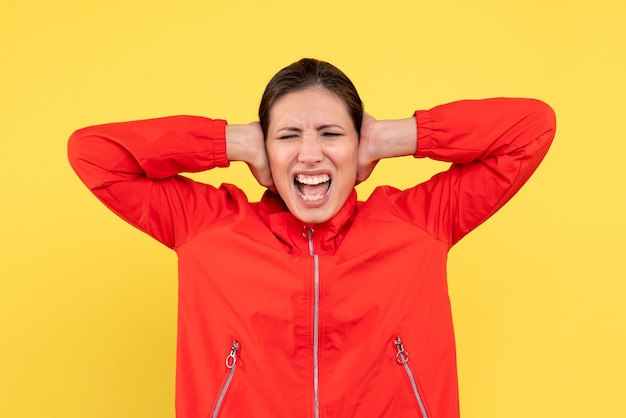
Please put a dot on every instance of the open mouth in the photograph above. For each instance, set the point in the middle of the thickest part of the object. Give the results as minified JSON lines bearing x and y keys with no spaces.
{"x":312,"y":188}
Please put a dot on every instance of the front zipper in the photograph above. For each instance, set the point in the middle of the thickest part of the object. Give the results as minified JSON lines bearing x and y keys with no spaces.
{"x":308,"y":234}
{"x":231,"y":364}
{"x":402,"y":357}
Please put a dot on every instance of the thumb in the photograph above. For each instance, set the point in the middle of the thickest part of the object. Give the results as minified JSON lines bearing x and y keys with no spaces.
{"x":364,"y":171}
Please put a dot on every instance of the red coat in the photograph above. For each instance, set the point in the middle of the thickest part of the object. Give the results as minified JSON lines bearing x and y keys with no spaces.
{"x":353,"y":321}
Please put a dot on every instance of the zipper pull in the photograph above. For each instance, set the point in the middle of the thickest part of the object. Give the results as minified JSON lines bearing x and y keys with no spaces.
{"x":231,"y":359}
{"x":402,"y":356}
{"x":307,"y":232}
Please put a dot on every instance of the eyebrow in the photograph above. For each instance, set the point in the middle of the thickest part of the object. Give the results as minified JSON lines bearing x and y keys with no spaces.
{"x":319,"y":128}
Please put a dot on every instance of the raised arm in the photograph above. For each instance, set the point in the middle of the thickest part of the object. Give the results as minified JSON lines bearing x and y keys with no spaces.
{"x":494,"y":146}
{"x":133,"y":167}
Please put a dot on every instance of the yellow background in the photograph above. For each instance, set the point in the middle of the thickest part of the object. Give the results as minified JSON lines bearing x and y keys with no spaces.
{"x":88,"y":304}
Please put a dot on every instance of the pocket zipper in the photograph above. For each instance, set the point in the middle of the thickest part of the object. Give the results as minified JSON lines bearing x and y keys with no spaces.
{"x":231,"y":363}
{"x":402,"y":357}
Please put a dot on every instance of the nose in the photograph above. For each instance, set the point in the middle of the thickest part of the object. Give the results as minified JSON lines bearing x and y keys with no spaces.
{"x":310,"y":151}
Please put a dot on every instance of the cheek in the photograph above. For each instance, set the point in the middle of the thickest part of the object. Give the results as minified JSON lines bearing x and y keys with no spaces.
{"x":347,"y":159}
{"x":278,"y":159}
{"x":272,"y":154}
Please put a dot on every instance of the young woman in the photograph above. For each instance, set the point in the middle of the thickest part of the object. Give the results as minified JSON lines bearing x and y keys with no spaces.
{"x":311,"y":303}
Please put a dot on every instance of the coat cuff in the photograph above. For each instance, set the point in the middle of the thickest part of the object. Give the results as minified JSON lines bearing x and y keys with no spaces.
{"x":425,"y":140}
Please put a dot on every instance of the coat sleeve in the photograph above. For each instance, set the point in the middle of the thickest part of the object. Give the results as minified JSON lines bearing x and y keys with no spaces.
{"x":494,"y":146}
{"x":133,"y":168}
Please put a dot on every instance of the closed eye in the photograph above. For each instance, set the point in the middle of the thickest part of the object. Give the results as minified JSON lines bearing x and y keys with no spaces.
{"x":291,"y":136}
{"x":331,"y":134}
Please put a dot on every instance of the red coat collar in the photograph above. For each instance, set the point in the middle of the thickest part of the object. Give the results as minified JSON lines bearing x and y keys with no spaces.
{"x":291,"y":231}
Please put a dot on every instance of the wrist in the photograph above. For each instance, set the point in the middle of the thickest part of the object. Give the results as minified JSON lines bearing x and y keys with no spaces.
{"x":396,"y":138}
{"x":240,"y":142}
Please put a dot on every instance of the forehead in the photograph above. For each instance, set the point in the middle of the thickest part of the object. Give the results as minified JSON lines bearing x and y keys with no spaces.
{"x":311,"y":105}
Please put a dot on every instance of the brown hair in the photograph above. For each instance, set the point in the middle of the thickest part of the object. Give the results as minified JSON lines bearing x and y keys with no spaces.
{"x":309,"y":72}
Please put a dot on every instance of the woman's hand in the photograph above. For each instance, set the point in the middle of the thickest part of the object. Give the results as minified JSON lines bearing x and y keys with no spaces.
{"x":246,"y":143}
{"x":384,"y":139}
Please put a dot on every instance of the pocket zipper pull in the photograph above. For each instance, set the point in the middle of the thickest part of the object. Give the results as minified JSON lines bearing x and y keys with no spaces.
{"x":402,"y":356}
{"x":231,"y":359}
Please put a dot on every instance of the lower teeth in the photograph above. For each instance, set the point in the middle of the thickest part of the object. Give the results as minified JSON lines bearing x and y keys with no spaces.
{"x":310,"y":198}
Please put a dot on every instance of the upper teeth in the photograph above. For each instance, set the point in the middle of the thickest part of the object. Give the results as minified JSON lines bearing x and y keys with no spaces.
{"x":312,"y":180}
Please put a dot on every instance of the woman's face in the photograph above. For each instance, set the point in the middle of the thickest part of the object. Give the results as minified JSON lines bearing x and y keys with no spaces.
{"x":312,"y":149}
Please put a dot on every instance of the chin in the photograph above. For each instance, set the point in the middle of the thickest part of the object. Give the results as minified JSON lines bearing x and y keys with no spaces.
{"x":313,"y":217}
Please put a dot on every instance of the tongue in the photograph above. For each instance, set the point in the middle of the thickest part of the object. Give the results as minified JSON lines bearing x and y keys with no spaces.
{"x":313,"y":190}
